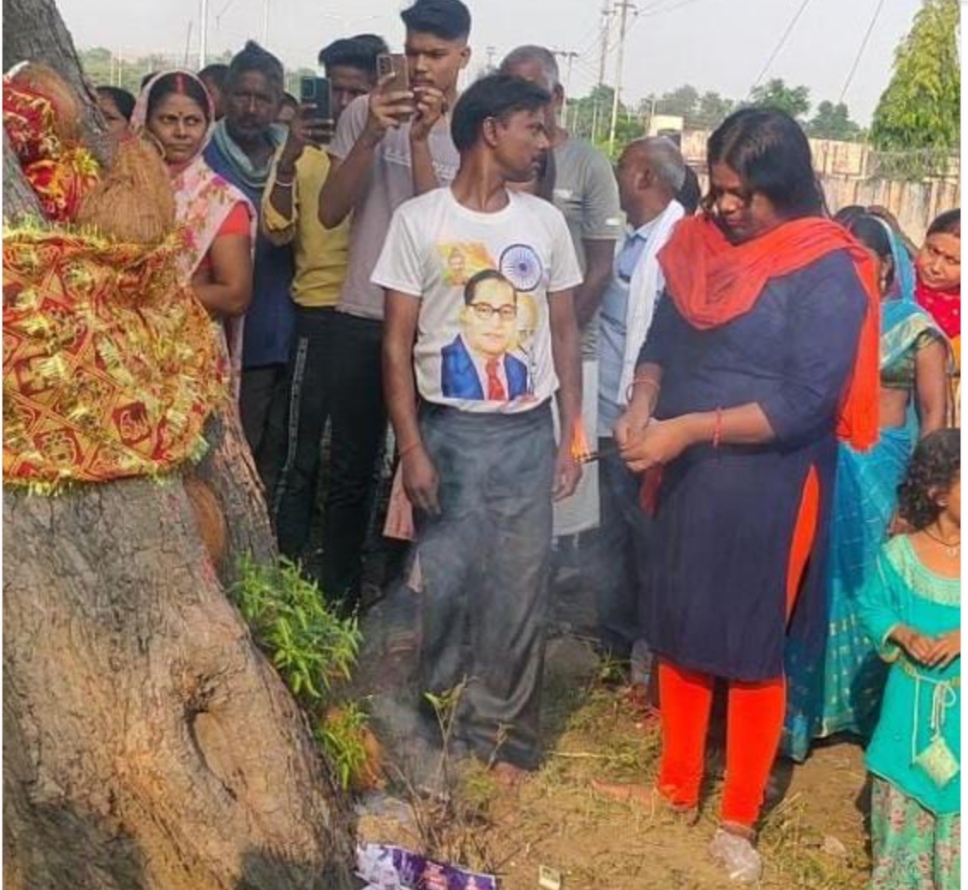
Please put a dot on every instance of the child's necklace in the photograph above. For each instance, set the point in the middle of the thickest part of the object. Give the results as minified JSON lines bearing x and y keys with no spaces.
{"x":951,"y":549}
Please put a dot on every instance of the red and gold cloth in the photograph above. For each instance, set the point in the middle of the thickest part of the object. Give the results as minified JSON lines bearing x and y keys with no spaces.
{"x":60,"y":174}
{"x":110,"y":366}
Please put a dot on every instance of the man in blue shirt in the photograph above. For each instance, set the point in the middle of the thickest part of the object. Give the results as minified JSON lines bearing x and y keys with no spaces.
{"x":650,"y":173}
{"x":242,"y":147}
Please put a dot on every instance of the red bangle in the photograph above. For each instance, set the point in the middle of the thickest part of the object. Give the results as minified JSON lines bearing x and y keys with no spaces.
{"x":718,"y":428}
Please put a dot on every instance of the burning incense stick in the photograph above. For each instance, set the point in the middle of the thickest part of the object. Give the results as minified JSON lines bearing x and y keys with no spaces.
{"x":592,"y":456}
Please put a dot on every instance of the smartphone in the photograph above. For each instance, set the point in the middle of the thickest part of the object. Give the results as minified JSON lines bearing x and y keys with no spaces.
{"x":317,"y":91}
{"x":395,"y":64}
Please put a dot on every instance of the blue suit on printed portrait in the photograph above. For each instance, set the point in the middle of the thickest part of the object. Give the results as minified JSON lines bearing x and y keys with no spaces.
{"x":459,"y":378}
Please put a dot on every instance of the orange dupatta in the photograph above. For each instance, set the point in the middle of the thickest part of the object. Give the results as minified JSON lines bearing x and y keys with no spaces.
{"x":712,"y":281}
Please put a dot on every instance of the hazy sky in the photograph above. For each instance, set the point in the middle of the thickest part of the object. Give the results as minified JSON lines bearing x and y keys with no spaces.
{"x":719,"y":45}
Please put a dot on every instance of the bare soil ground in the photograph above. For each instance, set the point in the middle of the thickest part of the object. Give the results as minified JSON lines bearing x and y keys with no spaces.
{"x":813,"y":838}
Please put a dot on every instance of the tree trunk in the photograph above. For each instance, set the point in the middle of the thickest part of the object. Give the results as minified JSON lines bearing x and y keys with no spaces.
{"x":147,"y":743}
{"x":34,"y":31}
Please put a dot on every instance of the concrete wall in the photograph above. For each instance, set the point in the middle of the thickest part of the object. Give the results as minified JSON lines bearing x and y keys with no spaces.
{"x":844,"y":170}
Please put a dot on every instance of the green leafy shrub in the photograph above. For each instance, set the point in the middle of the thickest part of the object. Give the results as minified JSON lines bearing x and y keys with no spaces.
{"x":311,"y":647}
{"x":314,"y":650}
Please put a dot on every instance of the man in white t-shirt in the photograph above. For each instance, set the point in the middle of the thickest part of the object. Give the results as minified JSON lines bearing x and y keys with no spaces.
{"x":480,"y":324}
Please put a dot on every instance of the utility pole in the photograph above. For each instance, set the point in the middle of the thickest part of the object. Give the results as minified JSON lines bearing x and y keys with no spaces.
{"x":203,"y":37}
{"x":188,"y":43}
{"x":491,"y":52}
{"x":569,"y":56}
{"x":606,"y":25}
{"x":624,"y":6}
{"x":265,"y":24}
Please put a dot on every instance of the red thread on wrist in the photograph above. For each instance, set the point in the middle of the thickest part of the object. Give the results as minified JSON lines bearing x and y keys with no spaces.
{"x":718,"y":428}
{"x":413,"y":446}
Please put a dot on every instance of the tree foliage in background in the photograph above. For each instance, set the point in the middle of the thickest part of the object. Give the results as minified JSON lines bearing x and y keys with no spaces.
{"x":795,"y":101}
{"x":590,"y":117}
{"x":704,"y":111}
{"x":833,"y":122}
{"x":681,"y":102}
{"x":103,"y":69}
{"x":921,"y":106}
{"x":712,"y":111}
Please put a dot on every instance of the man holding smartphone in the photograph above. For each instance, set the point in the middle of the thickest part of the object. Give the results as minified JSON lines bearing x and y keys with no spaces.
{"x":388,"y":147}
{"x":289,"y":215}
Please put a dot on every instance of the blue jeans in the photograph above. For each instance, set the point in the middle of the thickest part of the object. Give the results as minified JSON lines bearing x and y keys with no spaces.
{"x":484,"y":563}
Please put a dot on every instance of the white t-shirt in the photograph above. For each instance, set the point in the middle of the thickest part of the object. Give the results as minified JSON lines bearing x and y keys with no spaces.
{"x":483,"y":341}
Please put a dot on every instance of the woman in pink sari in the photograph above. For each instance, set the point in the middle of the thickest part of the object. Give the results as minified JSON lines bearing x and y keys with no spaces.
{"x":175,"y":109}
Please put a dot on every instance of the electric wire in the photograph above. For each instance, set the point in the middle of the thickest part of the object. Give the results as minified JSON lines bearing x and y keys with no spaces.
{"x":780,"y":44}
{"x":860,"y":51}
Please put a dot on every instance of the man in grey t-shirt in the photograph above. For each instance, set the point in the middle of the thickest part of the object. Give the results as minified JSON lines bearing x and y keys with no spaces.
{"x":585,"y":192}
{"x":389,"y":146}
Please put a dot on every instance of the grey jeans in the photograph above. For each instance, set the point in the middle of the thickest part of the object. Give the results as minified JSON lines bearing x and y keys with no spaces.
{"x":484,"y":564}
{"x":623,"y":554}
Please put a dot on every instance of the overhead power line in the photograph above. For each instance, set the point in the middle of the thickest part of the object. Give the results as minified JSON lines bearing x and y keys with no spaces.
{"x":779,"y":46}
{"x":658,"y":10}
{"x":860,"y":51}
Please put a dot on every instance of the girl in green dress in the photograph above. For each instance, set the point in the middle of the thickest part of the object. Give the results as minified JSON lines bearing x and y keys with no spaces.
{"x":911,"y":605}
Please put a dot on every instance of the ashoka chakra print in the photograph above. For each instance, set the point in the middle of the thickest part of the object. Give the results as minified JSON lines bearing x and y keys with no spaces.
{"x":521,"y":265}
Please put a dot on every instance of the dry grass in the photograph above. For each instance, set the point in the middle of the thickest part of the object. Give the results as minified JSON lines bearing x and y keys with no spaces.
{"x":557,"y":819}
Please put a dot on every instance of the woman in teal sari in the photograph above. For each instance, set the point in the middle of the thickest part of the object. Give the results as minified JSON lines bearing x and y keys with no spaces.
{"x":839,"y":689}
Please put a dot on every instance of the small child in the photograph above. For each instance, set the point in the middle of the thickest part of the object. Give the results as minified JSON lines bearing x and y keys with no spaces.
{"x":911,"y":607}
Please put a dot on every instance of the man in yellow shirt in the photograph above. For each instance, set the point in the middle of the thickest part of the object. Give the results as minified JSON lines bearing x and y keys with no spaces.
{"x":290,"y":215}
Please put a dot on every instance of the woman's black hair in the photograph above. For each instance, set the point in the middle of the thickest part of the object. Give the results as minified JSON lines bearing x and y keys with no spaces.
{"x":181,"y":84}
{"x":253,"y":57}
{"x":497,"y":95}
{"x":769,"y":151}
{"x":122,"y":99}
{"x":690,"y":193}
{"x":948,"y":223}
{"x":934,"y":468}
{"x":446,"y":19}
{"x":872,"y":233}
{"x":846,"y":215}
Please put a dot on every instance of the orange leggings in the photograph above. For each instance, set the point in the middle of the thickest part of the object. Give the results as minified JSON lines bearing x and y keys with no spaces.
{"x":754,"y":723}
{"x":755,"y":711}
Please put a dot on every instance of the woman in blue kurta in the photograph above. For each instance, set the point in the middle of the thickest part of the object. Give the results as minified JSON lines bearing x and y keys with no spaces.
{"x":911,"y":605}
{"x":763,"y":347}
{"x":839,"y":689}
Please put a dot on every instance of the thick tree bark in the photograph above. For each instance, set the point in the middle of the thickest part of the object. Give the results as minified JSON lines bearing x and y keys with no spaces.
{"x":34,"y":31}
{"x":18,"y":198}
{"x":147,"y":743}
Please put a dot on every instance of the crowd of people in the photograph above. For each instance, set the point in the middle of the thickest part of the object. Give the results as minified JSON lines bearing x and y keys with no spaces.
{"x":770,"y":394}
